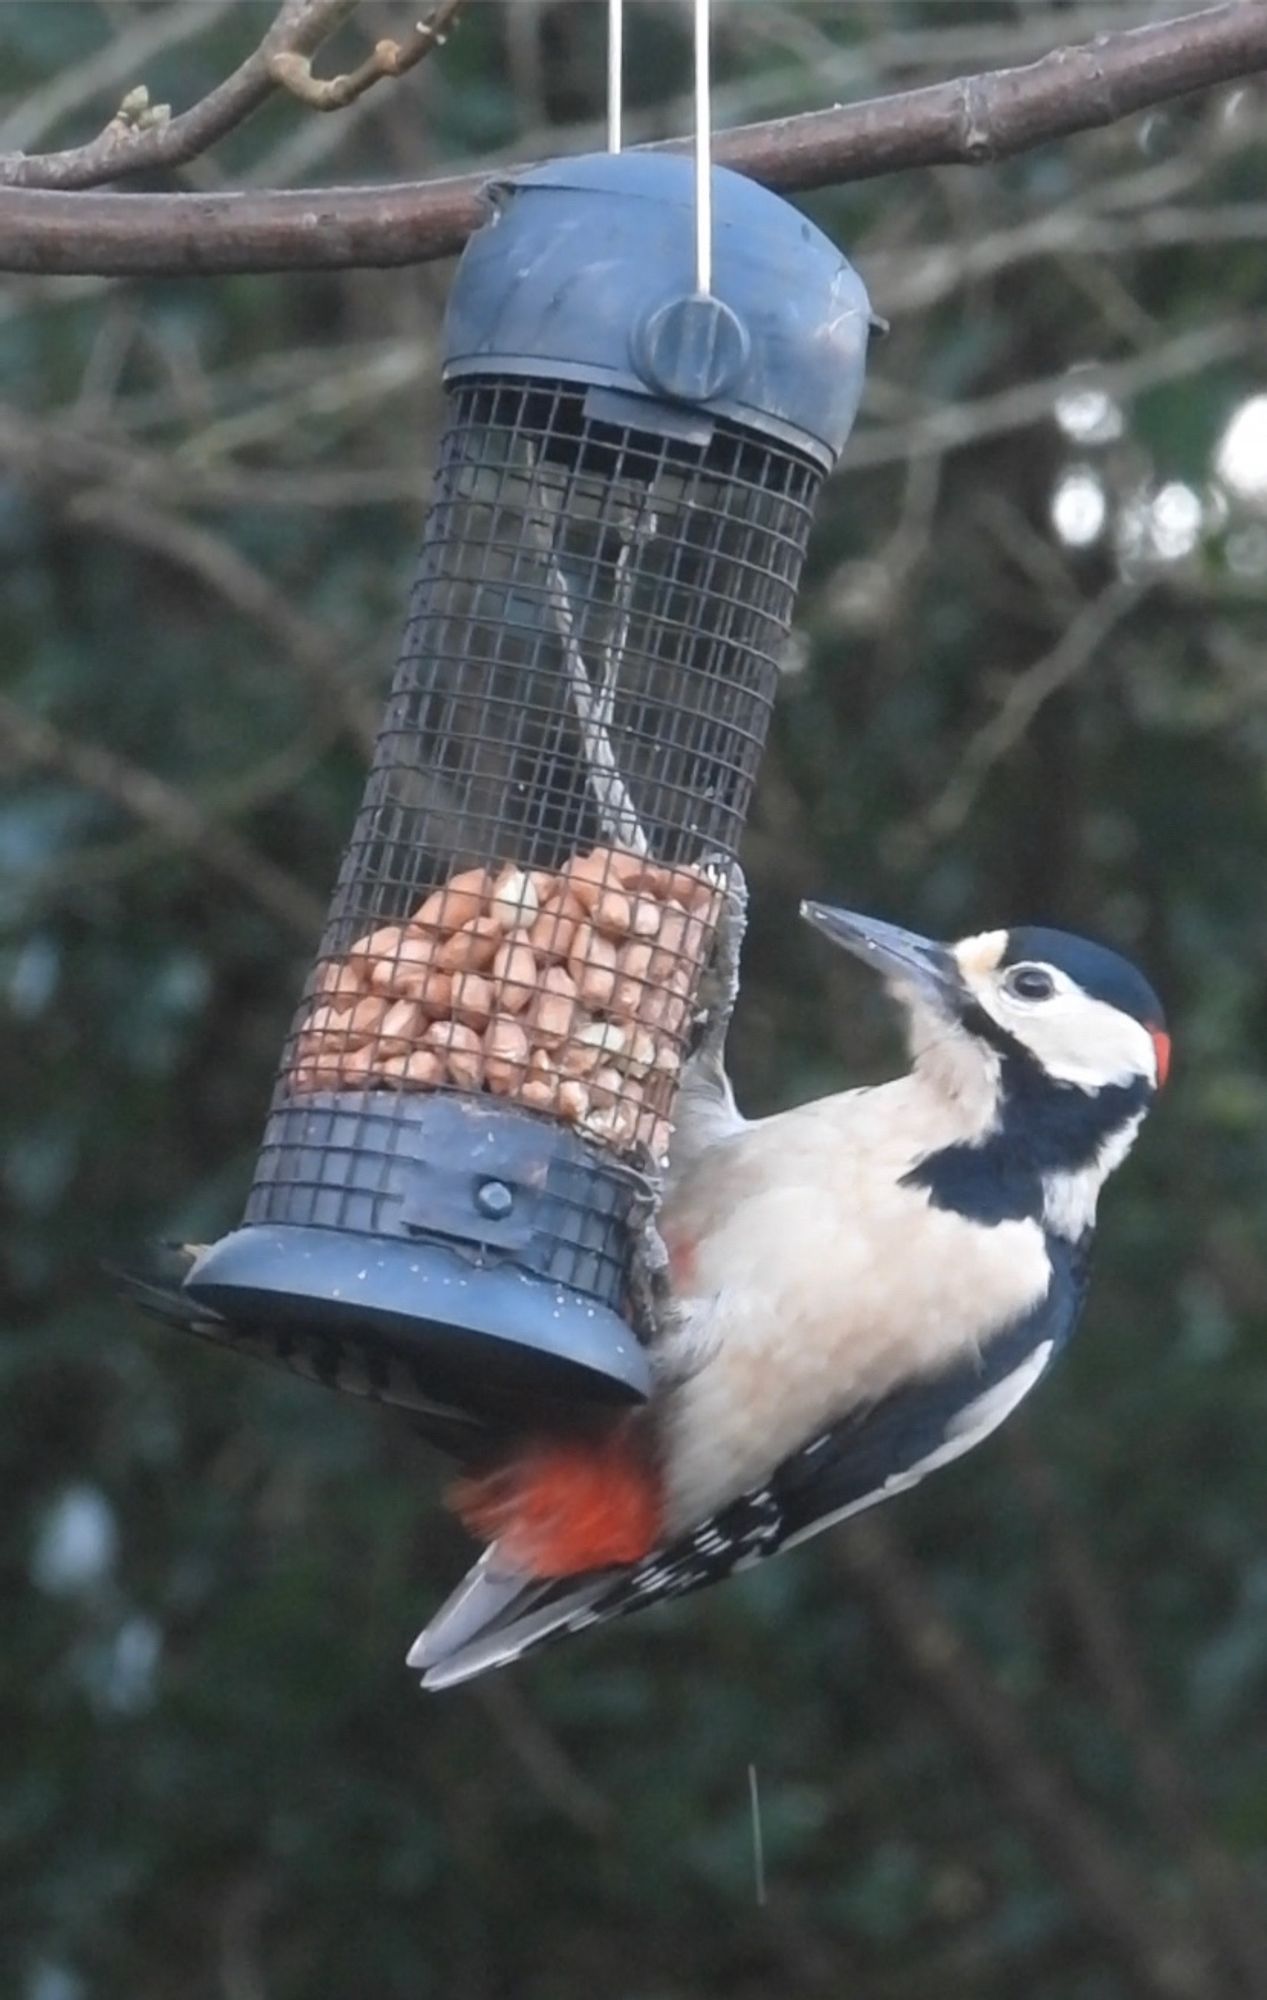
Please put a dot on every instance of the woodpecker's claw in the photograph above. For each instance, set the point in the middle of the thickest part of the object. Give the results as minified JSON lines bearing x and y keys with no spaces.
{"x":650,"y":1293}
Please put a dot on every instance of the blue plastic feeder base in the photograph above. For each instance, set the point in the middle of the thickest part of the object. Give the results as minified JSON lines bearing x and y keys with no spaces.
{"x":438,"y":1248}
{"x":417,"y":1323}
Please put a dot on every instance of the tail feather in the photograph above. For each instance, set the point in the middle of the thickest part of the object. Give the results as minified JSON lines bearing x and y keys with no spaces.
{"x":494,"y":1615}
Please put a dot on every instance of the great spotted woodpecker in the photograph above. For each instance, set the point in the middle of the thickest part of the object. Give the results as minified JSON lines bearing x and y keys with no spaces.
{"x":860,"y":1290}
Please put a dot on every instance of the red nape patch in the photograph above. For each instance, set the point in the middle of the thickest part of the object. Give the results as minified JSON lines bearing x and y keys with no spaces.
{"x":561,"y":1506}
{"x":1161,"y":1048}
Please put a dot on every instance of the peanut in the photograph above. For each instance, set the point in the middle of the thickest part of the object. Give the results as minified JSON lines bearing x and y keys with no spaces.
{"x":377,"y":944}
{"x":607,"y":1037}
{"x":325,"y":1032}
{"x":505,"y":1055}
{"x":639,"y":1053}
{"x":680,"y":936}
{"x":461,"y":1048}
{"x":554,"y":1008}
{"x":615,"y":1126}
{"x":473,"y":946}
{"x":605,"y":1086}
{"x":357,"y":1067}
{"x":437,"y":993}
{"x":645,"y":917}
{"x":471,"y":999}
{"x":455,"y":903}
{"x":515,"y":973}
{"x":338,"y":984}
{"x":592,"y":964}
{"x":574,"y":1100}
{"x":400,"y":1027}
{"x":554,"y":932}
{"x":332,"y":1030}
{"x":613,"y":914}
{"x":407,"y":973}
{"x":633,"y":970}
{"x":424,"y":1067}
{"x":514,"y":902}
{"x":539,"y":1091}
{"x":622,"y":866}
{"x":687,"y":887}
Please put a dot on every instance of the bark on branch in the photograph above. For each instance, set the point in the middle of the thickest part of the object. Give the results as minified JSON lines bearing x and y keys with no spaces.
{"x":967,"y":121}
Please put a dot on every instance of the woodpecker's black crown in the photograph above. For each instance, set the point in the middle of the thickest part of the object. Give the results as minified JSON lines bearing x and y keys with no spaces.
{"x":1101,"y":973}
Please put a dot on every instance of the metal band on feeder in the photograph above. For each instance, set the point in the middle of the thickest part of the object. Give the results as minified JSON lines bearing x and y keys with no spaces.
{"x":477,"y":1092}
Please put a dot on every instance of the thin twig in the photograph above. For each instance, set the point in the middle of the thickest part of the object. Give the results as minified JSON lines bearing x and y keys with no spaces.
{"x":545,"y":1760}
{"x":957,"y":425}
{"x":30,"y":742}
{"x":227,"y":799}
{"x":202,"y":553}
{"x":968,"y":121}
{"x":1230,"y":1902}
{"x":920,"y":276}
{"x":1073,"y":651}
{"x":386,"y":59}
{"x":155,"y":31}
{"x":1153,"y":1943}
{"x":142,"y":135}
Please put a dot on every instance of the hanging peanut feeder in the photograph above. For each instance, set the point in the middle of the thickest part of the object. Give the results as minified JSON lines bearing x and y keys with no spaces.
{"x":478,"y":1087}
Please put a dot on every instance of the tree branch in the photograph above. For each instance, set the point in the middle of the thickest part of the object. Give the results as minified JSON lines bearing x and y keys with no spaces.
{"x":387,"y":58}
{"x":139,"y":137}
{"x":29,"y":741}
{"x":963,"y":122}
{"x":155,"y":32}
{"x":1228,"y":1896}
{"x":315,"y":653}
{"x":1153,"y":1945}
{"x":999,"y":735}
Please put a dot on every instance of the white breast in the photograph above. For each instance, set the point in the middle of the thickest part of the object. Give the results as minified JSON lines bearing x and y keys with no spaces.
{"x":818,"y":1283}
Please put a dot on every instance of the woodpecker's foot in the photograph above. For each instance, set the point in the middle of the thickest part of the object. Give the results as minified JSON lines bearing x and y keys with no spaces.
{"x":651,"y":1301}
{"x":719,"y":985}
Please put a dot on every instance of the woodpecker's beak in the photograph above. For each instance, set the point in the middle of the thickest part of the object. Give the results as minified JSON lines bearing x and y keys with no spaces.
{"x":900,"y":957}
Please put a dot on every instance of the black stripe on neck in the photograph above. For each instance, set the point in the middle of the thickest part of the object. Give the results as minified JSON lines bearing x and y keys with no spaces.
{"x":1044,"y":1127}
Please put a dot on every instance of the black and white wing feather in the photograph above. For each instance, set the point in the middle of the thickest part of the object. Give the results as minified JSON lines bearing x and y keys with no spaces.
{"x":868,"y":1457}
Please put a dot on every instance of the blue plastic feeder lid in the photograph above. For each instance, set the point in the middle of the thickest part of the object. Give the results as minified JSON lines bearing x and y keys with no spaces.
{"x":585,"y":273}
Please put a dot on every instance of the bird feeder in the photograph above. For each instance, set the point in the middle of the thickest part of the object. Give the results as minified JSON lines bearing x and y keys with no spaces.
{"x":477,"y":1092}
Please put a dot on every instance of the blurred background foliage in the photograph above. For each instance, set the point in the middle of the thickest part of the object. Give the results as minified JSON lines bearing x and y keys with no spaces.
{"x":1012,"y":1736}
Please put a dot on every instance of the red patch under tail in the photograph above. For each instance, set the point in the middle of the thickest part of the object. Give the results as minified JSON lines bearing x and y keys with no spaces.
{"x":560,"y":1507}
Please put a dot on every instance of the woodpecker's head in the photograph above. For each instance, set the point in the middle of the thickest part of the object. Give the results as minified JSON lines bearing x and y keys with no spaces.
{"x":1048,"y":1041}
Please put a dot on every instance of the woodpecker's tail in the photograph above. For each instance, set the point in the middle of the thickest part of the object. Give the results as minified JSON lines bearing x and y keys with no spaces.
{"x":497,"y":1614}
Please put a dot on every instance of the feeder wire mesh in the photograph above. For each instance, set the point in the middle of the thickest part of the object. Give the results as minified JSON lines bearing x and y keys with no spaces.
{"x":560,"y":782}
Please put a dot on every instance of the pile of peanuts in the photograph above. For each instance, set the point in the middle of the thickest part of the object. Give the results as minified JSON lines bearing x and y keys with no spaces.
{"x":566,"y":992}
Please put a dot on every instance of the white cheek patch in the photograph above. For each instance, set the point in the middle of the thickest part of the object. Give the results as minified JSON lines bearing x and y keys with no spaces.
{"x":1087,"y":1042}
{"x":1077,"y":1039}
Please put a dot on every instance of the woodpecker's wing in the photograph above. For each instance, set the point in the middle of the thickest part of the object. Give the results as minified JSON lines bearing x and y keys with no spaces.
{"x":871,"y":1455}
{"x":317,"y":1354}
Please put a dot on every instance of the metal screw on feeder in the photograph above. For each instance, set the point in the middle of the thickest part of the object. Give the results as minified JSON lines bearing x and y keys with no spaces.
{"x":650,"y":368}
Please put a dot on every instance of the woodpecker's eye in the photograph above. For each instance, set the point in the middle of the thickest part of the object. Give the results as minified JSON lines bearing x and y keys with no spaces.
{"x":1030,"y":982}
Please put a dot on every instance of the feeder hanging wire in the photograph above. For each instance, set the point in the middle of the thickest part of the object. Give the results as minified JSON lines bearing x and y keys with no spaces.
{"x":703,"y":153}
{"x":615,"y":72}
{"x":595,"y":710}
